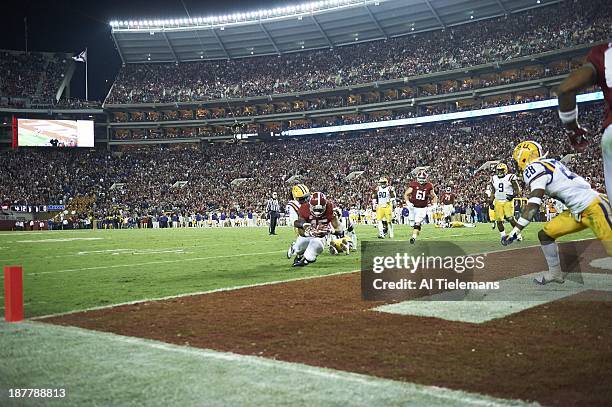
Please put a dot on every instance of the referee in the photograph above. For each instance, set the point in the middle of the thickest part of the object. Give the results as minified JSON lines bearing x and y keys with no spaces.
{"x":273,"y":210}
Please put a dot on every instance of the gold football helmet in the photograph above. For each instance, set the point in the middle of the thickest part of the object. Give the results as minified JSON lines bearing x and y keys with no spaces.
{"x":501,"y":170}
{"x":383,"y":181}
{"x":526,"y":153}
{"x":300,"y":193}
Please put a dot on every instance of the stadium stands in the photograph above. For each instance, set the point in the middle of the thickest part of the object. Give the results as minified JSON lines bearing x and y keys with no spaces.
{"x":556,"y":27}
{"x":32,"y":77}
{"x":150,"y":173}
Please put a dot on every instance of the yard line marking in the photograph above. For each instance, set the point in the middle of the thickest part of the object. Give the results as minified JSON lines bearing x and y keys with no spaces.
{"x":287,"y":368}
{"x":65,"y":239}
{"x":154,"y":262}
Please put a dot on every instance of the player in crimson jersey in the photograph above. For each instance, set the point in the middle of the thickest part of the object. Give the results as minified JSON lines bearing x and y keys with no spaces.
{"x":316,"y":218}
{"x":596,"y":71}
{"x":448,"y":201}
{"x":420,"y":193}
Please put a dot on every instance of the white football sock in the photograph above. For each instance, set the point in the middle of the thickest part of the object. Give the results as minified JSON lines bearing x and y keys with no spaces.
{"x":606,"y":150}
{"x":503,"y":233}
{"x":551,"y":253}
{"x":391,"y":230}
{"x":380,"y":228}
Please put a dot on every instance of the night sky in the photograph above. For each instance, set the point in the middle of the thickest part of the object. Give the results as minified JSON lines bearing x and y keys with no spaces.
{"x":71,"y":26}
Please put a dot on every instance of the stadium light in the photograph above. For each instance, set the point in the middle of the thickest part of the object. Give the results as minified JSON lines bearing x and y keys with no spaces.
{"x":298,"y":10}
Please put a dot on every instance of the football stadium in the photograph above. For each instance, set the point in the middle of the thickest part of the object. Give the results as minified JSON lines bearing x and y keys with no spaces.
{"x":338,"y":202}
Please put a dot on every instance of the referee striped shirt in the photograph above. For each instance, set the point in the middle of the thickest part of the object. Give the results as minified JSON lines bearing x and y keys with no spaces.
{"x":273,"y":205}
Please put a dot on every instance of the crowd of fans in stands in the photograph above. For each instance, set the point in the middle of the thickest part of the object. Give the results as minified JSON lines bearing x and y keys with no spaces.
{"x":559,"y":26}
{"x":31,"y":77}
{"x":151,"y":175}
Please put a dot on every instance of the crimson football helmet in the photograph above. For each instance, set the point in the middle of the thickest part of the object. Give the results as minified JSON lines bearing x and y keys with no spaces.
{"x":421,"y":176}
{"x":318,"y":204}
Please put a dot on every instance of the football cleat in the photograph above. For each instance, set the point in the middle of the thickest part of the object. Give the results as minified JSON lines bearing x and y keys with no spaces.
{"x":297,"y":259}
{"x":543,"y":280}
{"x":519,"y":238}
{"x":412,"y":240}
{"x":332,"y":250}
{"x":290,"y":251}
{"x":302,"y":262}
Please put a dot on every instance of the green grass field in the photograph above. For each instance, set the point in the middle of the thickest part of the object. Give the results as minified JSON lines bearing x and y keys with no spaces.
{"x":72,"y":270}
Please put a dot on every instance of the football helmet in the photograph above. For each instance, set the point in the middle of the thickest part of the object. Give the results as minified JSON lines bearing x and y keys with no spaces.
{"x":527,"y":152}
{"x":448,"y":189}
{"x":501,"y":170}
{"x":421,"y":176}
{"x":383,"y":182}
{"x":300,"y":193}
{"x":318,"y":204}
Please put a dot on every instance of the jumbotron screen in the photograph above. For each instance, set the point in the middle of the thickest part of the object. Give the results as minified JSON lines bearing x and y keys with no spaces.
{"x":55,"y":133}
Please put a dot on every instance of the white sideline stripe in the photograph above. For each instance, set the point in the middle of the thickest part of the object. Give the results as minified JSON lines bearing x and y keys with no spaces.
{"x":153,"y":262}
{"x":326,"y":373}
{"x":171,"y":297}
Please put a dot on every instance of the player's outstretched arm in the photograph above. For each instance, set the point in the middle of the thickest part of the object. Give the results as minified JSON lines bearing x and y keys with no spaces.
{"x":529,"y":211}
{"x":566,"y":91}
{"x":568,"y":110}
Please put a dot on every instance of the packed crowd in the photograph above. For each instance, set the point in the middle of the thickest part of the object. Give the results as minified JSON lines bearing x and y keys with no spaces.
{"x":239,"y":176}
{"x":531,"y":32}
{"x":32,"y":77}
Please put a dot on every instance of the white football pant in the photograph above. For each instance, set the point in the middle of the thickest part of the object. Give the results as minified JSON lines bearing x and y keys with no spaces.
{"x":309,"y":247}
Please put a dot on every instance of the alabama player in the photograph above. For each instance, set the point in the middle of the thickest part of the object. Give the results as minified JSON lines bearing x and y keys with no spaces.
{"x":586,"y":207}
{"x":505,"y":187}
{"x":315,"y":222}
{"x":597,"y":70}
{"x":300,"y":195}
{"x":383,"y":198}
{"x":448,"y":202}
{"x":420,"y":193}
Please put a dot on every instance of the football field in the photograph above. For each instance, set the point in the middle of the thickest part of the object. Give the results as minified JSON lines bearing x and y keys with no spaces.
{"x":73,"y":270}
{"x":187,"y":316}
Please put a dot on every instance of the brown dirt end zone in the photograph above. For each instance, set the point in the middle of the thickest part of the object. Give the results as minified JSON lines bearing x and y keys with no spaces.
{"x":557,"y":354}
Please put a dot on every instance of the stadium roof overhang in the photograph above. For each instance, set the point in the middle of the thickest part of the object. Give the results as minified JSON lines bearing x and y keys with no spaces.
{"x":322,"y":24}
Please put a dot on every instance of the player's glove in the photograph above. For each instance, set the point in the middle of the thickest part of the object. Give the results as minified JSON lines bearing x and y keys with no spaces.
{"x":578,"y":138}
{"x":513,"y":236}
{"x":307,"y":229}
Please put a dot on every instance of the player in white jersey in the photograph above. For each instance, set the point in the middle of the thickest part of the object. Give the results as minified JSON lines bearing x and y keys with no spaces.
{"x":300,"y":194}
{"x":383,"y":199}
{"x":586,"y":208}
{"x":505,"y":187}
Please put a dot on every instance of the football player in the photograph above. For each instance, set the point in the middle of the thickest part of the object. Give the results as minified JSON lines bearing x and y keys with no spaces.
{"x":315,"y":223}
{"x":448,"y":202}
{"x":586,"y":207}
{"x":505,"y":187}
{"x":596,"y":71}
{"x":299,"y":194}
{"x":419,"y":193}
{"x":342,"y":241}
{"x":382,"y":201}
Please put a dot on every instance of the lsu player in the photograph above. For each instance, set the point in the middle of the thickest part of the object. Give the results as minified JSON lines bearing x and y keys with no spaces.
{"x":419,"y":193}
{"x":342,"y":241}
{"x":586,"y":207}
{"x":316,"y":220}
{"x":299,"y":194}
{"x":382,"y":201}
{"x":505,"y":187}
